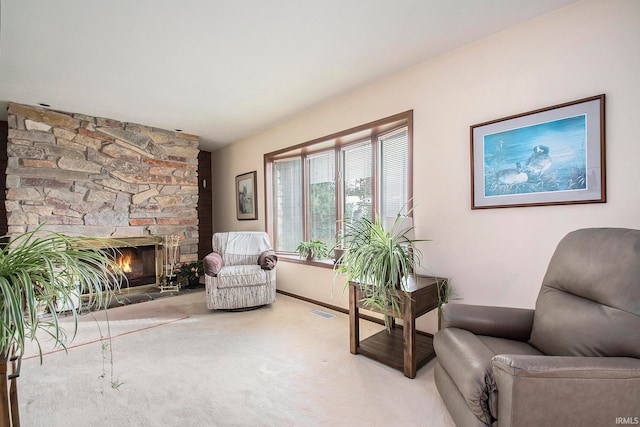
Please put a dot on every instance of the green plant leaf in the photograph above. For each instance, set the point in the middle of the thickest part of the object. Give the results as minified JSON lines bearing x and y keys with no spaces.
{"x":379,"y":260}
{"x":42,"y":270}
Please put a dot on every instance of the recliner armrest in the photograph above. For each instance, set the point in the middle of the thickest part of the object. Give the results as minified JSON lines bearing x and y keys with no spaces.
{"x":565,"y":390}
{"x":503,"y":322}
{"x":567,"y":366}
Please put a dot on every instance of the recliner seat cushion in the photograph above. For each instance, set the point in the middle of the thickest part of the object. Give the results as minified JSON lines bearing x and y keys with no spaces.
{"x":241,"y":275}
{"x":589,"y":304}
{"x":466,"y":357}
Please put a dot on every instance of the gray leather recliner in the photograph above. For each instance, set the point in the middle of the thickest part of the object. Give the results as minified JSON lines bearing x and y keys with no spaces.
{"x":574,"y":360}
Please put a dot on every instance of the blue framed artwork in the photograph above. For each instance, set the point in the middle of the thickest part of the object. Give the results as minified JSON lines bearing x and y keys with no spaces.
{"x":552,"y":156}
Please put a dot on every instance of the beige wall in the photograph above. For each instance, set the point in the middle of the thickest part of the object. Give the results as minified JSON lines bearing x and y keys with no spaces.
{"x":495,"y":256}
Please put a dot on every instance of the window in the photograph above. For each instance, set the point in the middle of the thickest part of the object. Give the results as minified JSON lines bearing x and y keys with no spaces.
{"x":322,"y":197}
{"x":312,"y":188}
{"x":394,"y":169}
{"x":288,"y":203}
{"x":357,"y":169}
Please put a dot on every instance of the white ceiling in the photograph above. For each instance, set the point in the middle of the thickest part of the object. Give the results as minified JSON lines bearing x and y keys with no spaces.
{"x":224,"y":70}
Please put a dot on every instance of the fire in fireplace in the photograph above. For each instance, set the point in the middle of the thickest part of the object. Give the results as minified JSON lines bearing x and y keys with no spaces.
{"x":138,"y":263}
{"x":140,"y":259}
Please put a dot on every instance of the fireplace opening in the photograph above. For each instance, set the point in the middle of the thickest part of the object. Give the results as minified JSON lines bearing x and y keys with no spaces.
{"x":140,"y":259}
{"x":138,"y":264}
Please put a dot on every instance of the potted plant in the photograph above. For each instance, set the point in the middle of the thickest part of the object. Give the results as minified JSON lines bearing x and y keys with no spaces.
{"x":338,"y":252}
{"x":311,"y":250}
{"x":379,"y":259}
{"x":45,"y":270}
{"x":192,"y":272}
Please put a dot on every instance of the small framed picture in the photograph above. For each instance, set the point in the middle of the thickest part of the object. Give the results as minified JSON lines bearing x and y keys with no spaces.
{"x":246,"y":200}
{"x":552,"y":156}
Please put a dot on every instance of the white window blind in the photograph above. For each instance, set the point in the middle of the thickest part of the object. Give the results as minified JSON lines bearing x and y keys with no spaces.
{"x":357,"y":171}
{"x":394,"y":173}
{"x":287,"y":203}
{"x":322,"y":197}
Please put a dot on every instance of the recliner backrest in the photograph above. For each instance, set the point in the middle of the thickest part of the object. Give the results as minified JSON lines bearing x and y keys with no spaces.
{"x":240,"y":247}
{"x":589,"y":303}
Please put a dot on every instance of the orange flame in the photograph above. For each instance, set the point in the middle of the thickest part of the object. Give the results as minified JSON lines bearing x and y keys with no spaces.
{"x":124,"y":262}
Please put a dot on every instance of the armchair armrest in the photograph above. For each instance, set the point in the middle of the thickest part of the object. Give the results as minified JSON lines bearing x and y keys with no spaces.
{"x":502,"y":322}
{"x":567,"y":366}
{"x":561,"y":390}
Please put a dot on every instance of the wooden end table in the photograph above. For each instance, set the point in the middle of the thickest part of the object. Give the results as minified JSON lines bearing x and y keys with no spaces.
{"x":401,"y":349}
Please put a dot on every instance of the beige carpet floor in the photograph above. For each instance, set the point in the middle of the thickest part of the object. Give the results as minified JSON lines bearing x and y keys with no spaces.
{"x":183,"y":365}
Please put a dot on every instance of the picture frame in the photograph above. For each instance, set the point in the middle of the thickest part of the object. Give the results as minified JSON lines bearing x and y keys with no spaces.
{"x":246,"y":200}
{"x":550,"y":156}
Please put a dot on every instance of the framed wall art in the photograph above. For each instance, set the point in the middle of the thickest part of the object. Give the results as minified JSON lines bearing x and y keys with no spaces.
{"x":246,"y":200}
{"x":551,"y":156}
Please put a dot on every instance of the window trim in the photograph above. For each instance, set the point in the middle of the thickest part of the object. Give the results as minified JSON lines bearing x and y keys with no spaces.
{"x":338,"y":141}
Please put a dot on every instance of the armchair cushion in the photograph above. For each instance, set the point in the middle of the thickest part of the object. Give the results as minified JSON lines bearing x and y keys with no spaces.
{"x":268,"y":260}
{"x":589,"y":303}
{"x":213,"y":264}
{"x":240,"y":247}
{"x":241,"y":275}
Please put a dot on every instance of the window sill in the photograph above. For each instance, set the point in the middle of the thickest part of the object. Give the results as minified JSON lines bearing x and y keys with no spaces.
{"x":328,"y":263}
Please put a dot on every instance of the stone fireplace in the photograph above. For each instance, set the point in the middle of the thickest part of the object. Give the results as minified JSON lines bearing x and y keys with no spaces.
{"x":97,"y":177}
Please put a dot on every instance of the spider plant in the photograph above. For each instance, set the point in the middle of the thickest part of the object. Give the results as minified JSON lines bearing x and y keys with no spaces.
{"x":379,"y":260}
{"x":45,"y":270}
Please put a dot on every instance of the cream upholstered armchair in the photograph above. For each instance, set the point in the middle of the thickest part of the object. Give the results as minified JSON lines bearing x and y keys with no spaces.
{"x":240,"y":272}
{"x":574,"y":360}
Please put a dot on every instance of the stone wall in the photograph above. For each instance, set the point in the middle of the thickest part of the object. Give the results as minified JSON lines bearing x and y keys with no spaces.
{"x":91,"y":176}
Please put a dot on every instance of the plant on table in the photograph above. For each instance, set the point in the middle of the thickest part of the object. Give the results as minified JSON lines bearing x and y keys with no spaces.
{"x":380,"y":260}
{"x":445,"y":294}
{"x":42,"y":270}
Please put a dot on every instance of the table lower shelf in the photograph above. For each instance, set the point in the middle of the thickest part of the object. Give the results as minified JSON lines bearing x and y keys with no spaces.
{"x":388,"y":348}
